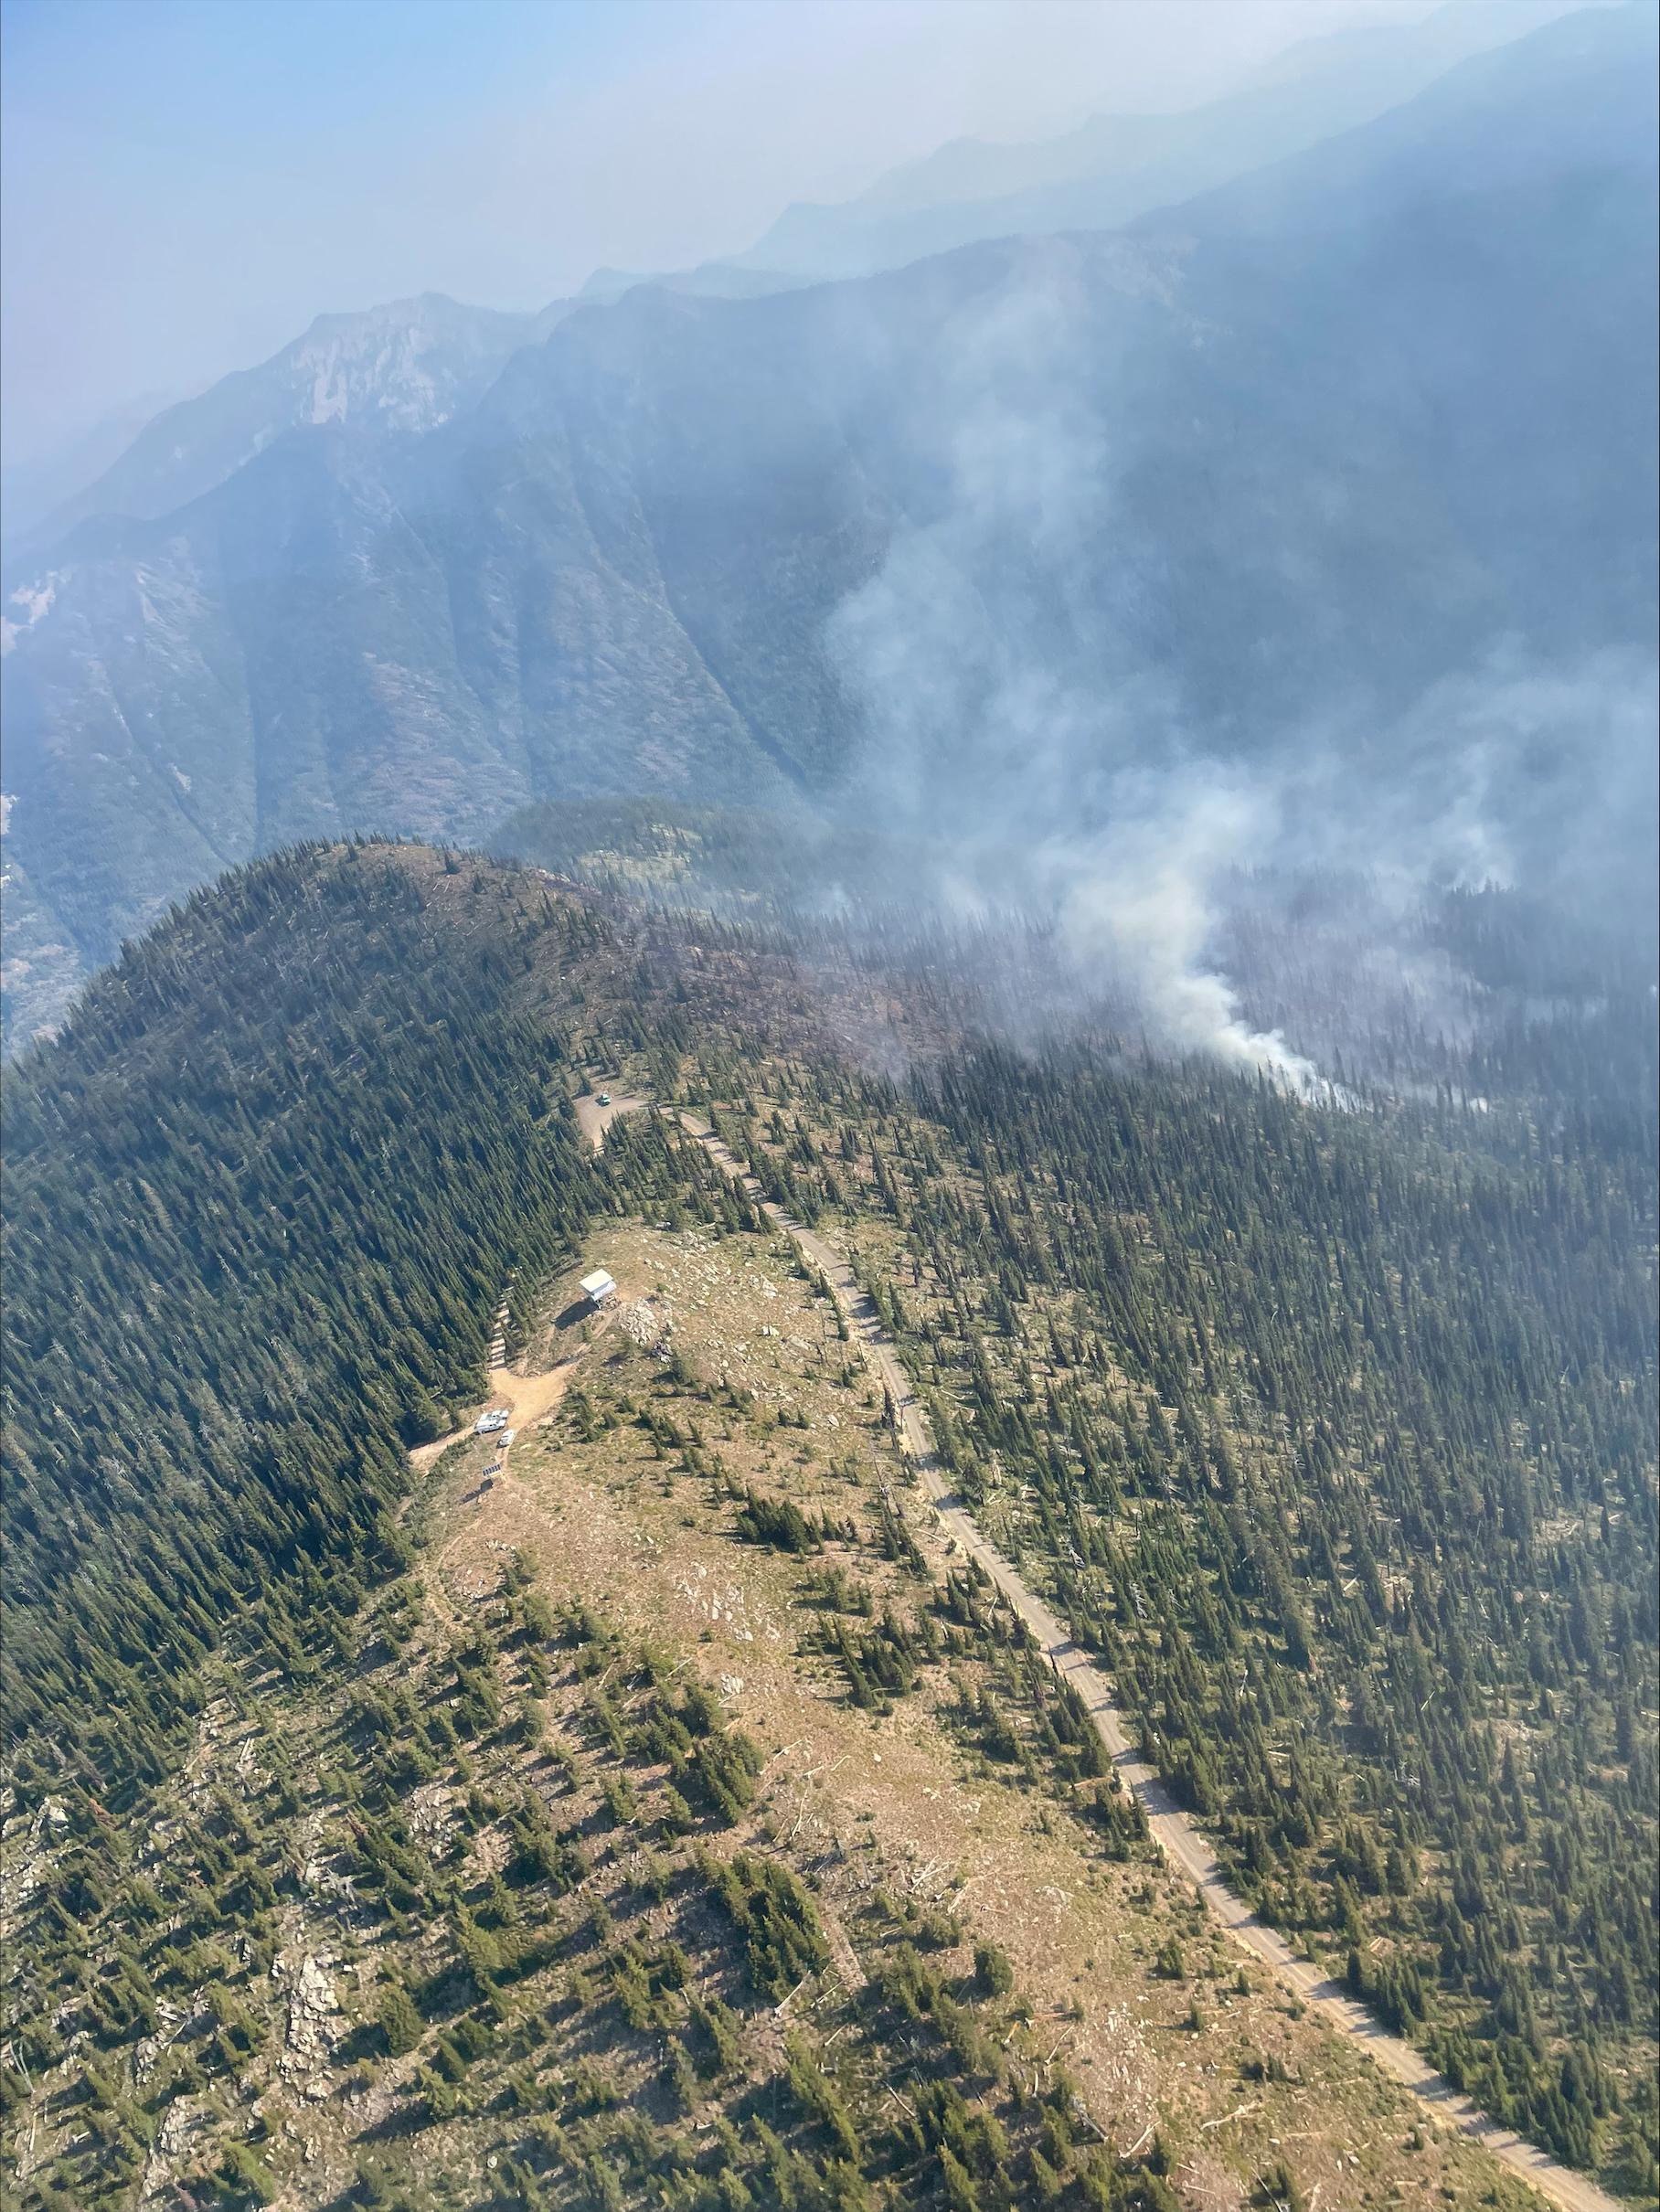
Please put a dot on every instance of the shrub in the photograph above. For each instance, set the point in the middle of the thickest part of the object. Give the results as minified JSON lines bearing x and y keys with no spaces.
{"x":399,"y":2020}
{"x":994,"y":1976}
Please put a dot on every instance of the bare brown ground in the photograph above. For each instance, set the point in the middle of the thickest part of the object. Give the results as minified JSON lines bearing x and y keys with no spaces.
{"x":896,"y":1799}
{"x":1181,"y":1841}
{"x":524,"y":1397}
{"x":594,"y":1120}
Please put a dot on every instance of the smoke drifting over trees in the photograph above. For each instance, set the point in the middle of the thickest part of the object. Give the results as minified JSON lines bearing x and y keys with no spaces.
{"x":1308,"y":527}
{"x":1198,"y":598}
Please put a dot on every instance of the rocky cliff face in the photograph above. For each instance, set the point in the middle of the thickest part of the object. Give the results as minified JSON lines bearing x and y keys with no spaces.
{"x":408,"y":365}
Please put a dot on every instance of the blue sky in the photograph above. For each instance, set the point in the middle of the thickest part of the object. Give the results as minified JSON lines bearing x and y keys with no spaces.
{"x":188,"y":182}
{"x":179,"y":173}
{"x":223,"y":79}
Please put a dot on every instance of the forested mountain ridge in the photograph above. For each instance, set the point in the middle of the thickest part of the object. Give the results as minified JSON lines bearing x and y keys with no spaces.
{"x":626,"y":569}
{"x":1334,"y":1437}
{"x":1045,"y":858}
{"x":225,"y":1323}
{"x":400,"y":1837}
{"x":1331,"y":1431}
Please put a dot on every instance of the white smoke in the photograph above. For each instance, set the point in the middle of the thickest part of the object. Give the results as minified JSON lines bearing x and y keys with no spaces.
{"x":1016,"y":716}
{"x":976,"y":657}
{"x":1138,"y":901}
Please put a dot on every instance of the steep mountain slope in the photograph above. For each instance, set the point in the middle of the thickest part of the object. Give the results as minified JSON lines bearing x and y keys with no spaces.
{"x":1114,"y":168}
{"x":406,"y":366}
{"x":1233,"y":478}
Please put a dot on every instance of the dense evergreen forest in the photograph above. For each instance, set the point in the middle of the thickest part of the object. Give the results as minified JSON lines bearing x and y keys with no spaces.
{"x":266,"y":1198}
{"x":263,"y":1200}
{"x":1330,"y":1429}
{"x":1332,"y":1432}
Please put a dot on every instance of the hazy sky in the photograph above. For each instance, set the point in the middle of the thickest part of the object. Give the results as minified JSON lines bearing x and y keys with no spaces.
{"x":188,"y":182}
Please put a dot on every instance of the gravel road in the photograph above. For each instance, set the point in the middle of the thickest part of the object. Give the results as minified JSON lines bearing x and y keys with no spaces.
{"x":1176,"y":1834}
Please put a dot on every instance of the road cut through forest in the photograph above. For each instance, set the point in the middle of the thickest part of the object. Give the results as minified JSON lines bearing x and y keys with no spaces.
{"x":1175,"y":1832}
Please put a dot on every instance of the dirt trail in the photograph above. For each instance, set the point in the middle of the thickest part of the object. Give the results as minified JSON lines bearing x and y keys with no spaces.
{"x":528,"y":1397}
{"x":1176,"y":1834}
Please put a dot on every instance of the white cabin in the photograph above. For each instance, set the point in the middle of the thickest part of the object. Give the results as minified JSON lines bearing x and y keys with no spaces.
{"x":597,"y":1287}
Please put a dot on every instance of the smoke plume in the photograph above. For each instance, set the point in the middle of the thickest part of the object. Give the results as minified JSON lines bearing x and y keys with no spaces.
{"x":1026,"y":715}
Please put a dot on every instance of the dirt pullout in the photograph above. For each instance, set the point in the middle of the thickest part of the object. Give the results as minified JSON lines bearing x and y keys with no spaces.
{"x":524,"y":1399}
{"x":594,"y":1120}
{"x":528,"y":1397}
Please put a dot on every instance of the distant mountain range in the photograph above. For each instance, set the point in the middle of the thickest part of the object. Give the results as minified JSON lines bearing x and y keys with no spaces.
{"x":1371,"y":413}
{"x":34,"y":491}
{"x":410,"y":363}
{"x":1114,"y":169}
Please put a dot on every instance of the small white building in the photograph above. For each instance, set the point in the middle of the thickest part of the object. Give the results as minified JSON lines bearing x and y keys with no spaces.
{"x":597,"y":1287}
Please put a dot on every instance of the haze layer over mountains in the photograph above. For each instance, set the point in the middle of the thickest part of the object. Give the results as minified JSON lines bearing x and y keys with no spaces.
{"x":907,"y":1457}
{"x":1315,"y":492}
